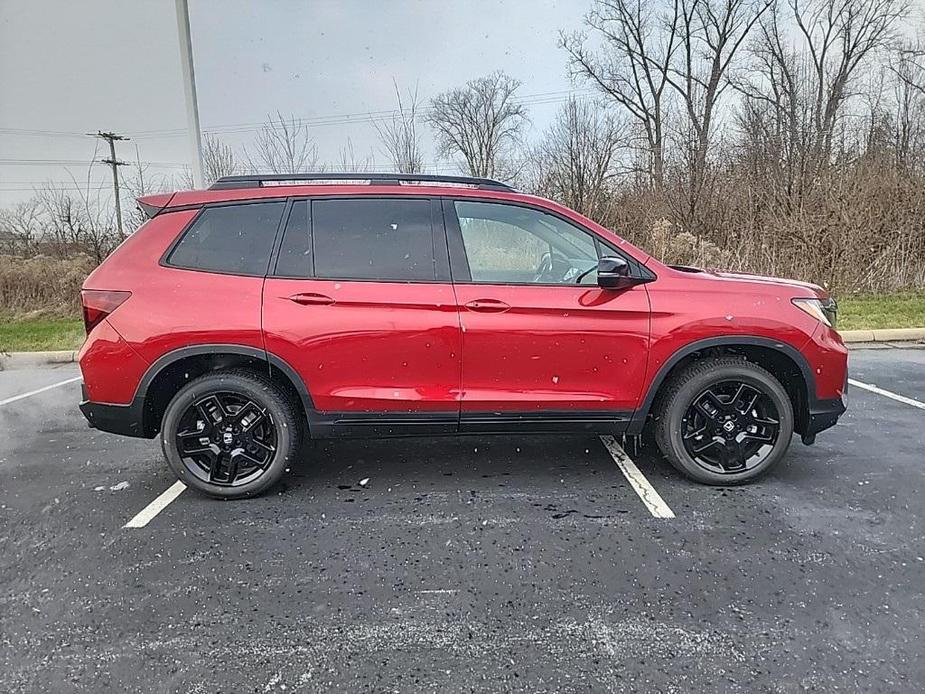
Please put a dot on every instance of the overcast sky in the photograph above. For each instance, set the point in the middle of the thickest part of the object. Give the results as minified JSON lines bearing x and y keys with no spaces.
{"x":68,"y":67}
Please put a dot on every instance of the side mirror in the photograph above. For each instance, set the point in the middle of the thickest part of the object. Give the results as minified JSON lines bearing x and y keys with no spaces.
{"x":614,"y":273}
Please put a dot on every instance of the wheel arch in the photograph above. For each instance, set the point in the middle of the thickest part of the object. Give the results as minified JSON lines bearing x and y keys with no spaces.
{"x":784,"y":361}
{"x":174,"y":369}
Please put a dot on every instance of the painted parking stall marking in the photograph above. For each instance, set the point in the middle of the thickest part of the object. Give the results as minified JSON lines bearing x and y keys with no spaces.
{"x":646,"y":492}
{"x":888,"y":394}
{"x":147,"y":514}
{"x":7,"y":401}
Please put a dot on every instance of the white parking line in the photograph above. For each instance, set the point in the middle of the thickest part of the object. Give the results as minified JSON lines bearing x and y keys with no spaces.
{"x":887,"y":394}
{"x":159,"y":504}
{"x":656,"y":505}
{"x":439,"y":591}
{"x":38,"y":390}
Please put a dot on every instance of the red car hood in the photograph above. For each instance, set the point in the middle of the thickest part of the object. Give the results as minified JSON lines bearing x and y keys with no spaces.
{"x":796,"y":285}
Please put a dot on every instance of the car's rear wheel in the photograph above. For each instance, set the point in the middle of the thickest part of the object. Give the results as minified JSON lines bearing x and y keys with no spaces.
{"x":724,"y":421}
{"x":230,"y":434}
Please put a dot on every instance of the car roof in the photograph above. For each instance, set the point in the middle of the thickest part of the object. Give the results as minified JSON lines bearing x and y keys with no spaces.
{"x":281,"y":186}
{"x":268,"y":186}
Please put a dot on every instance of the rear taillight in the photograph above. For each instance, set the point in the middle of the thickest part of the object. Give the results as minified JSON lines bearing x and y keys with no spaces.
{"x":99,"y":303}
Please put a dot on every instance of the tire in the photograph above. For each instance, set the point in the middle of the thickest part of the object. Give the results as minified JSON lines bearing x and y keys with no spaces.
{"x":230,"y":449}
{"x":704,"y":423}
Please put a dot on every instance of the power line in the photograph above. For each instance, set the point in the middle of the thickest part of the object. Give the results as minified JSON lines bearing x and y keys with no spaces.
{"x":41,"y":133}
{"x":538,"y":99}
{"x":62,"y":188}
{"x":355,"y":118}
{"x":67,"y":162}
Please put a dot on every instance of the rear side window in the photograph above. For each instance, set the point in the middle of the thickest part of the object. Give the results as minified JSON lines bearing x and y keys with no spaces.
{"x":235,"y":239}
{"x":372,"y":239}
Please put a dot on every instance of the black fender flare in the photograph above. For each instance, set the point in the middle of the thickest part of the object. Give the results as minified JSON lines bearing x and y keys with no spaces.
{"x":809,"y":380}
{"x":271,"y":360}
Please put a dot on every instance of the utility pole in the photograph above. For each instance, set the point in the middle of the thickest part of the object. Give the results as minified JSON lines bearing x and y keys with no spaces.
{"x":189,"y":87}
{"x":115,"y":164}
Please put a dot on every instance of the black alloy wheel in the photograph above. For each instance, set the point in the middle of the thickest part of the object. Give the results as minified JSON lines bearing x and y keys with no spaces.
{"x":226,"y":438}
{"x":232,"y":433}
{"x":730,"y":427}
{"x":723,"y":420}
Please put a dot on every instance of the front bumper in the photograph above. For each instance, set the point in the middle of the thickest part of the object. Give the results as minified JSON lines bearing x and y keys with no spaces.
{"x":127,"y":420}
{"x":823,"y":414}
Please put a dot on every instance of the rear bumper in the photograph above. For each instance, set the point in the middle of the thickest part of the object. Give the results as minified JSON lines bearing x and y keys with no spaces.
{"x":127,"y":420}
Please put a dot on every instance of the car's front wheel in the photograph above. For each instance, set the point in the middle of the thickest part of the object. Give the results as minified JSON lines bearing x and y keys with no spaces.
{"x":230,"y":434}
{"x":724,"y":421}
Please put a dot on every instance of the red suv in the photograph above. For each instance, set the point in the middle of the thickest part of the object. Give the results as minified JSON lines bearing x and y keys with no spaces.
{"x":242,"y":319}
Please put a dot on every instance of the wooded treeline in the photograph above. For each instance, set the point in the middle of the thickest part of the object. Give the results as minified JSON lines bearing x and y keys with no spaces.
{"x":783,"y":138}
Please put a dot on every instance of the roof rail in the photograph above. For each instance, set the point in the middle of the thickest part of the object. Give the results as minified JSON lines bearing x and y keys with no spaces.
{"x":375,"y":179}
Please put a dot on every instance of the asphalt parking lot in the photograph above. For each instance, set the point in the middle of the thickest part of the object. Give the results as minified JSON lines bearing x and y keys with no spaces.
{"x":465,"y":564}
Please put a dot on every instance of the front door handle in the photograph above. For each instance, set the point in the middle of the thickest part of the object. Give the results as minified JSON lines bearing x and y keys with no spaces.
{"x":487,"y":306}
{"x":311,"y":299}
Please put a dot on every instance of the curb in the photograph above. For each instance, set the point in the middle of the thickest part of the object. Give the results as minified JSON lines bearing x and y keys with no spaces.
{"x":19,"y":360}
{"x":16,"y":360}
{"x":884,"y":335}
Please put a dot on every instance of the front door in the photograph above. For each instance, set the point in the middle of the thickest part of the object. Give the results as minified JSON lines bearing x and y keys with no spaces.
{"x":360,"y":304}
{"x":543,"y":346}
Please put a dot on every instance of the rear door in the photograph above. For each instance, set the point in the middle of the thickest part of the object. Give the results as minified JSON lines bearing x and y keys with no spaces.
{"x":543,"y":346}
{"x":360,"y":304}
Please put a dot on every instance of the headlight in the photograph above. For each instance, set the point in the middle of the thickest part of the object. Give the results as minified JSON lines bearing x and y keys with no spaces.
{"x":824,"y":310}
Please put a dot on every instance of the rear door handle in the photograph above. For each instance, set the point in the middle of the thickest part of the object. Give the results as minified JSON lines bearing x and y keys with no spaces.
{"x":311,"y":299}
{"x":487,"y":306}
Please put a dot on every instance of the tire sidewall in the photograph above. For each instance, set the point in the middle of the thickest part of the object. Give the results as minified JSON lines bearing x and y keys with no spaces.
{"x":233,"y":384}
{"x":698,"y":384}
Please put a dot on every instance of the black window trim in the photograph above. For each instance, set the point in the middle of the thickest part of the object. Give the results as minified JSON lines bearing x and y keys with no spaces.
{"x":441,"y":262}
{"x":459,"y":260}
{"x":164,"y":260}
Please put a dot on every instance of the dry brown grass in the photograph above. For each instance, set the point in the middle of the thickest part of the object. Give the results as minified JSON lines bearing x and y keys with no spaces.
{"x":42,"y":286}
{"x":860,"y":230}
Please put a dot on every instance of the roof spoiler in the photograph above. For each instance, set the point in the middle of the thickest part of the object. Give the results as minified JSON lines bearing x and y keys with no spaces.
{"x":152,"y":205}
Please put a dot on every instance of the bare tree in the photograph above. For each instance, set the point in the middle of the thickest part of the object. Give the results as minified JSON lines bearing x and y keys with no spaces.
{"x":838,"y":36}
{"x":20,"y":227}
{"x":283,"y":146}
{"x":578,"y":157}
{"x":798,"y":88}
{"x":85,"y":220}
{"x":218,"y":159}
{"x":909,"y":65}
{"x":711,"y":34}
{"x":481,"y":122}
{"x":138,"y":180}
{"x":638,"y":44}
{"x":349,"y":162}
{"x":909,"y":103}
{"x":399,"y":136}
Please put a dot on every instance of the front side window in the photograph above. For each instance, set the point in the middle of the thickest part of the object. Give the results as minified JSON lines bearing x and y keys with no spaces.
{"x":373,"y":239}
{"x":509,"y":244}
{"x":234,"y":239}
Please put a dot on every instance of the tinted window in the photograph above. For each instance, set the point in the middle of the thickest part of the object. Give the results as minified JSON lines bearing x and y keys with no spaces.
{"x":295,"y":254}
{"x":513,"y":245}
{"x":373,"y":239}
{"x":236,"y":239}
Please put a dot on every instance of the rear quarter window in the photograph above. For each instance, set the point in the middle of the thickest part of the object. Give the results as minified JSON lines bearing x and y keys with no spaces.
{"x":373,"y":239}
{"x":232,"y":239}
